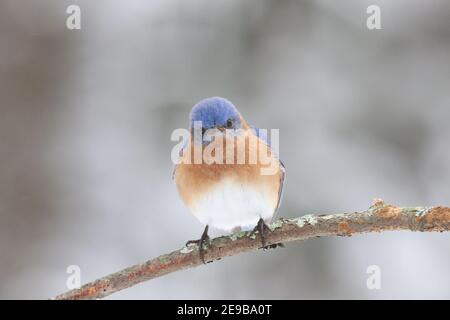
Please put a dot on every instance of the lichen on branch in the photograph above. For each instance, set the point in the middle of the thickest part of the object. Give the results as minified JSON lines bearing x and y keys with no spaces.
{"x":379,"y":217}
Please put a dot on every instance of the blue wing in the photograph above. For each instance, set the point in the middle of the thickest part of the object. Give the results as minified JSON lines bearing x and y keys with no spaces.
{"x":262,"y":134}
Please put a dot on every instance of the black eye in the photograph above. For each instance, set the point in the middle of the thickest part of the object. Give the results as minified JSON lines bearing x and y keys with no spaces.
{"x":230,"y":123}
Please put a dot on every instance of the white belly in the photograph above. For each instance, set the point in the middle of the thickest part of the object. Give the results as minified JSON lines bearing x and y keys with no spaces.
{"x":230,"y":205}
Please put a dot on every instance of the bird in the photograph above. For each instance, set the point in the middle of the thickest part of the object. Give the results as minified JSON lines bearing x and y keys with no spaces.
{"x":228,"y":195}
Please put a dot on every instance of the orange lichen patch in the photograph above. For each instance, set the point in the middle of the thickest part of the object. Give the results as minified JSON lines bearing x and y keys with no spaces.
{"x":134,"y":275}
{"x":344,"y":228}
{"x":388,"y":212}
{"x":89,"y":292}
{"x":92,"y":290}
{"x":437,"y":217}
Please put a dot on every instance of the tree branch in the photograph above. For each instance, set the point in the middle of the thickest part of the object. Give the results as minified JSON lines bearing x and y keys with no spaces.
{"x":379,"y":217}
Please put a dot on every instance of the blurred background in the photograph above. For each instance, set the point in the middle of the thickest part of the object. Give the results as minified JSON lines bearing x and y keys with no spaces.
{"x":86,"y":117}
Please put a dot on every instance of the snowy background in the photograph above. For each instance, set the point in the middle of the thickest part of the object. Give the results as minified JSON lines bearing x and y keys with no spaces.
{"x":86,"y":117}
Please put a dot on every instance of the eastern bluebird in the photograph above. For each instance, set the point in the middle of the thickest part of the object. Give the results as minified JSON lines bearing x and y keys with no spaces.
{"x":229,"y":196}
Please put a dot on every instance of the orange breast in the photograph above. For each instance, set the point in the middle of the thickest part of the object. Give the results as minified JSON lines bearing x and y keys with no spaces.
{"x":194,"y":181}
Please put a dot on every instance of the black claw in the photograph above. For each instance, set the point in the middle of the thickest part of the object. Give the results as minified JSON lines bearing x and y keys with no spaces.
{"x":263,"y":228}
{"x":273,"y":246}
{"x":201,"y":244}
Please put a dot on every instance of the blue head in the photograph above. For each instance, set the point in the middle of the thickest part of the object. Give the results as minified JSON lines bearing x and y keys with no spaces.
{"x":215,"y":113}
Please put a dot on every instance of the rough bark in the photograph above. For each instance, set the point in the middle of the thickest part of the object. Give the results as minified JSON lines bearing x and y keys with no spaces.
{"x":379,"y":217}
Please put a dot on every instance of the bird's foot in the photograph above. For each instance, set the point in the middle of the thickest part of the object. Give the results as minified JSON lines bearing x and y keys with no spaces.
{"x":273,"y":246}
{"x":201,"y":244}
{"x":263,"y":229}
